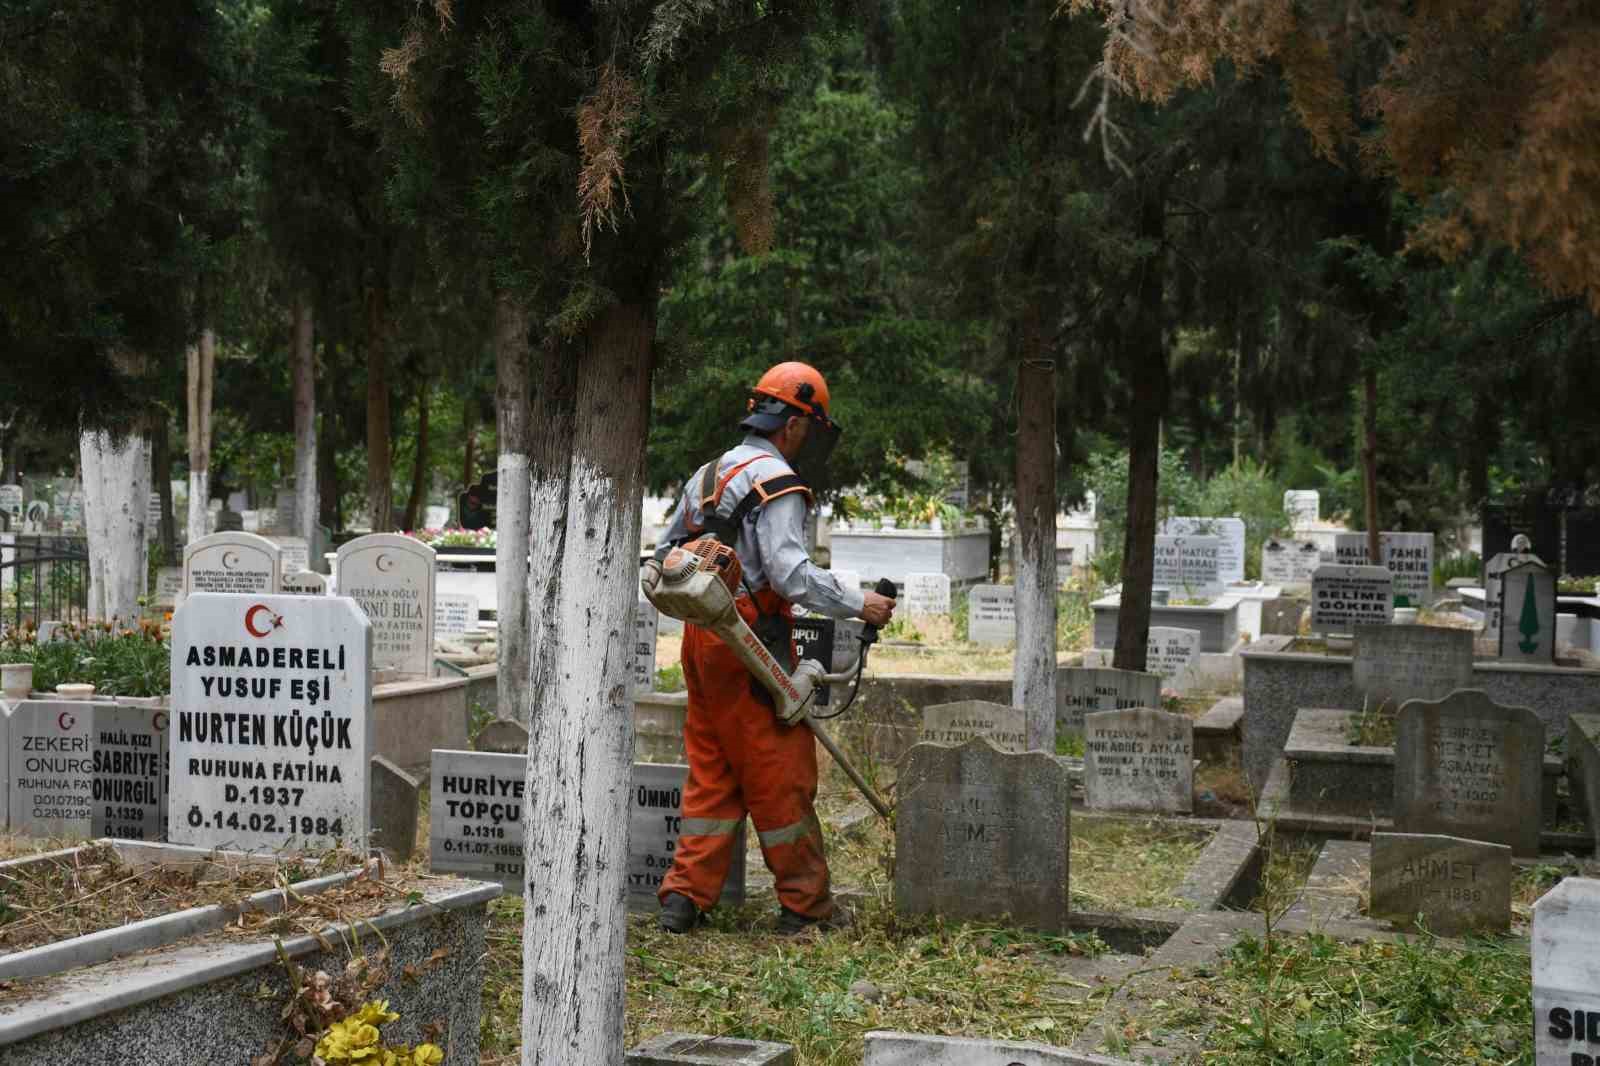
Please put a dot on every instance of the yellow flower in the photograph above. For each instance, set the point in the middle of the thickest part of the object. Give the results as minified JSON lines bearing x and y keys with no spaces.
{"x":364,"y":1044}
{"x":427,"y":1055}
{"x":335,"y":1047}
{"x":376,"y":1012}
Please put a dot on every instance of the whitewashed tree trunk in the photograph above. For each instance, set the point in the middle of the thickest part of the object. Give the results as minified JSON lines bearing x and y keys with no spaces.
{"x":303,"y":373}
{"x":116,"y":494}
{"x":511,"y":509}
{"x":202,"y":364}
{"x":582,"y":585}
{"x":1033,"y":677}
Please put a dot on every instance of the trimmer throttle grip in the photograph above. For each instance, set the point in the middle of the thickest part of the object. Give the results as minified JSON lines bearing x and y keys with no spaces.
{"x":884,"y":587}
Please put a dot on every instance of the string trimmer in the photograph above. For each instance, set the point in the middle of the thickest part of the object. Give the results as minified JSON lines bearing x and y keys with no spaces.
{"x":696,"y":584}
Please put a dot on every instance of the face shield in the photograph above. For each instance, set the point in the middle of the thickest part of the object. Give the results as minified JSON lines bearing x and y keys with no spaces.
{"x":811,"y":461}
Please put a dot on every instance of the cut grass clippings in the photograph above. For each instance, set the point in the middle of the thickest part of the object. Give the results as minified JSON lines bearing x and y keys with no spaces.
{"x":1118,"y":866}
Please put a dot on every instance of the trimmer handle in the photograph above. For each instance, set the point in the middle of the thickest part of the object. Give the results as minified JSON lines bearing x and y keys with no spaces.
{"x":884,"y":587}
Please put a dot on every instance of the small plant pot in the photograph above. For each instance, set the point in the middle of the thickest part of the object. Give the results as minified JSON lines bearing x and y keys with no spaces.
{"x":16,"y":680}
{"x":75,"y":691}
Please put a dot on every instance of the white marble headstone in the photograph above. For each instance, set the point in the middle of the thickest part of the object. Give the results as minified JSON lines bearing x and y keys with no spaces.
{"x":927,"y":594}
{"x":52,"y":769}
{"x":454,"y":614}
{"x":1289,"y":562}
{"x":304,"y":583}
{"x":1230,"y":531}
{"x":646,"y":620}
{"x":1304,"y":506}
{"x":169,"y":586}
{"x":1566,"y":973}
{"x":272,"y":727}
{"x":232,"y":562}
{"x":1171,"y":651}
{"x":11,"y":502}
{"x":1343,"y":597}
{"x":1190,"y":564}
{"x":992,"y":614}
{"x":475,"y":804}
{"x":1408,"y":556}
{"x":392,"y":577}
{"x":295,"y":551}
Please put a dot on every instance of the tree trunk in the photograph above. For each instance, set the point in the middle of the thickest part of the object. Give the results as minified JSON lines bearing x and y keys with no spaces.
{"x":303,"y":377}
{"x":419,"y":468}
{"x":1369,"y":462}
{"x":202,"y":366}
{"x":1033,"y":676}
{"x":515,"y":429}
{"x":1148,"y":370}
{"x":333,"y":432}
{"x":469,"y":443}
{"x":116,"y":501}
{"x":380,"y":490}
{"x":161,"y":472}
{"x":583,"y":583}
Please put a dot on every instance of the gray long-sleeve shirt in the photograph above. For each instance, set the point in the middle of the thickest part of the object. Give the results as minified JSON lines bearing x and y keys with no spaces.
{"x":772,"y":545}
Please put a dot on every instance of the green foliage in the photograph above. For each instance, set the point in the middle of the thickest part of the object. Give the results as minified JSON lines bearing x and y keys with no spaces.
{"x":1106,"y":474}
{"x":1464,"y":564}
{"x":1248,"y":491}
{"x":670,"y":678}
{"x":124,"y":663}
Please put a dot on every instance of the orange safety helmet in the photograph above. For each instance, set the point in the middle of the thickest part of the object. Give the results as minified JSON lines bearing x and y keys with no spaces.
{"x":796,"y":384}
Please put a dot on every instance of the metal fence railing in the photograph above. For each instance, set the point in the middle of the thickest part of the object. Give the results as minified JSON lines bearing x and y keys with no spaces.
{"x":43,"y":578}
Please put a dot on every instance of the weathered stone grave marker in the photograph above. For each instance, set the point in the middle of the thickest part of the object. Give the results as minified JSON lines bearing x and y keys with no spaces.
{"x":454,"y":615}
{"x":11,"y":503}
{"x":981,"y":833}
{"x":231,"y":562}
{"x":927,"y":595}
{"x":51,"y":760}
{"x":1082,"y":690}
{"x":475,"y":803}
{"x":392,"y":577}
{"x":1230,"y":536}
{"x":1408,"y":556}
{"x":1281,"y":617}
{"x":271,"y":735}
{"x":168,"y":592}
{"x":304,"y":583}
{"x":130,"y":769}
{"x":1521,"y":551}
{"x":1343,"y":597}
{"x":1190,"y":565}
{"x":504,"y":736}
{"x":1457,"y":886}
{"x":1304,"y":506}
{"x":395,"y":798}
{"x":1566,"y":974}
{"x":646,"y":620}
{"x":654,"y":825}
{"x":1140,"y":759}
{"x":1583,"y":768}
{"x":992,"y":614}
{"x":1172,"y":651}
{"x":296,"y":553}
{"x":1393,"y":664}
{"x":956,"y":723}
{"x":1466,"y":766}
{"x":1527,"y":632}
{"x":1289,"y":563}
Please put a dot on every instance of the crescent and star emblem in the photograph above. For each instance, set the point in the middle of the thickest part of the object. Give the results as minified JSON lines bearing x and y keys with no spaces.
{"x":230,"y":559}
{"x":159,"y":722}
{"x":275,"y":621}
{"x":65,"y":720}
{"x":383,"y":564}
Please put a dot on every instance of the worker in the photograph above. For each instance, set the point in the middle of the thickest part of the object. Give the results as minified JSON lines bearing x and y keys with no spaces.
{"x":741,"y":757}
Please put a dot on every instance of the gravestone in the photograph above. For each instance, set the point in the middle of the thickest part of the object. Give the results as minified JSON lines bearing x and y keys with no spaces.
{"x":927,"y":594}
{"x":1527,"y":632}
{"x":1456,"y":886}
{"x":1289,"y":562}
{"x":475,"y":802}
{"x":1139,"y":759}
{"x":1343,"y":597}
{"x":395,"y":798}
{"x":992,"y":614}
{"x":168,"y":592}
{"x":392,"y":578}
{"x":1230,"y":535}
{"x":305,"y":583}
{"x":956,"y":723}
{"x":231,"y":562}
{"x":504,"y":736}
{"x":130,"y":767}
{"x":1583,"y":768}
{"x":272,"y":730}
{"x":454,"y":615}
{"x":654,"y":824}
{"x":1303,"y":506}
{"x":1281,"y":617}
{"x":436,"y":516}
{"x":152,"y":517}
{"x":250,"y":521}
{"x":1466,"y":766}
{"x":1189,"y":564}
{"x":1083,"y":690}
{"x":694,"y":1049}
{"x":11,"y":503}
{"x":981,"y":833}
{"x":1394,"y":664}
{"x":1493,"y":570}
{"x":1566,"y":974}
{"x":645,"y":620}
{"x":296,"y":553}
{"x":1408,"y":556}
{"x":1172,"y":651}
{"x":51,"y":761}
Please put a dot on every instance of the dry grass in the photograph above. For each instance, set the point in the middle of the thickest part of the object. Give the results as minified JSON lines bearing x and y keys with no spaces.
{"x":1125,"y":865}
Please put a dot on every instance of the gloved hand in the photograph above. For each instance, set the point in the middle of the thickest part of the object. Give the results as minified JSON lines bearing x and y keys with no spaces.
{"x":805,"y":681}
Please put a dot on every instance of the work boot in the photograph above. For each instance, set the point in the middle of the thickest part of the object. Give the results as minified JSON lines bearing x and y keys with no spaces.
{"x":793,"y":923}
{"x":678,"y":913}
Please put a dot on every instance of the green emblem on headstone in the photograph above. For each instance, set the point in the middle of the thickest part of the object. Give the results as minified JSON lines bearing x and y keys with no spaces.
{"x":1528,"y":624}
